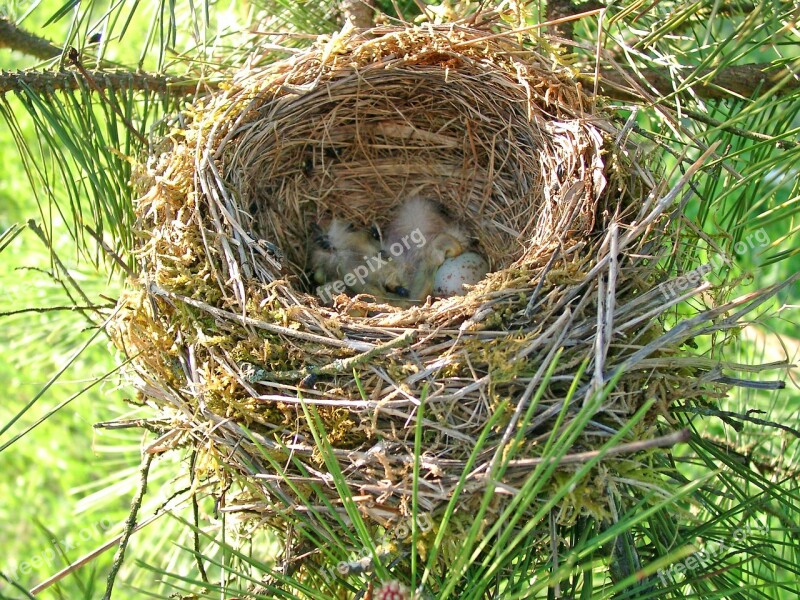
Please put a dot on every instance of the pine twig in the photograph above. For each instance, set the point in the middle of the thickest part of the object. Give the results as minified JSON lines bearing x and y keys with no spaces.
{"x":34,"y":226}
{"x":219,"y":313}
{"x":41,"y":82}
{"x":157,"y":426}
{"x":130,"y":525}
{"x":25,"y":42}
{"x":341,"y":365}
{"x":667,"y":441}
{"x":731,"y":418}
{"x":196,"y":516}
{"x":16,"y":585}
{"x":47,"y":309}
{"x":109,"y":251}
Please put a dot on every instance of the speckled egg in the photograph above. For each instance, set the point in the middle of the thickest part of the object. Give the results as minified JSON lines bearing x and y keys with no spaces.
{"x":465,"y":269}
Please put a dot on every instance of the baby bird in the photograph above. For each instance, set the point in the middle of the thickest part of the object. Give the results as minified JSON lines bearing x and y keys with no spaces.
{"x":345,"y":258}
{"x":421,"y":238}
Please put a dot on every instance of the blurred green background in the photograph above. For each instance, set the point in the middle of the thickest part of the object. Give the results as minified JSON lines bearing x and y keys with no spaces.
{"x":68,"y":482}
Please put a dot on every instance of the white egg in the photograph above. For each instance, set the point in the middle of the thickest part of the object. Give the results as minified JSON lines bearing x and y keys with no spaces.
{"x":465,"y":269}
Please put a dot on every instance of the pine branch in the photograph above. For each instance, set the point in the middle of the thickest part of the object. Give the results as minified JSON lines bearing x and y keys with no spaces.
{"x":561,"y":9}
{"x":711,"y":84}
{"x":75,"y":60}
{"x":361,"y":13}
{"x":23,"y":41}
{"x":41,"y":82}
{"x":47,"y":309}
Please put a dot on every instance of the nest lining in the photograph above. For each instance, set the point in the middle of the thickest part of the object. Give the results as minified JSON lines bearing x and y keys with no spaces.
{"x":227,"y":334}
{"x":418,"y":131}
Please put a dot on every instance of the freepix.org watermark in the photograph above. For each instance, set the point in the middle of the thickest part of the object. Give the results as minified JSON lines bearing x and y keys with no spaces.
{"x":755,"y":240}
{"x":708,"y":554}
{"x":371,"y":264}
{"x":59,"y":547}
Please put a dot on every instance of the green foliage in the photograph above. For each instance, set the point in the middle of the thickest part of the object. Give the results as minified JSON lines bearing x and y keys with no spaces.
{"x":720,"y":518}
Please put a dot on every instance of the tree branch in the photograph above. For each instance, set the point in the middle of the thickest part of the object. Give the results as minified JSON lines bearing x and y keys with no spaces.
{"x":559,"y":9}
{"x":49,"y":81}
{"x":75,"y":59}
{"x":719,"y":84}
{"x":361,"y":13}
{"x":20,"y":40}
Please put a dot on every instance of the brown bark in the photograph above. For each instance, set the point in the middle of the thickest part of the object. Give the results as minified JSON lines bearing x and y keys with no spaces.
{"x":361,"y":13}
{"x":559,"y":9}
{"x":20,"y":40}
{"x":729,"y":82}
{"x":42,"y":82}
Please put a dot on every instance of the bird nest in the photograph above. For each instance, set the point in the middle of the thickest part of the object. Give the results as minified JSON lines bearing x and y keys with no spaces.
{"x":263,"y":377}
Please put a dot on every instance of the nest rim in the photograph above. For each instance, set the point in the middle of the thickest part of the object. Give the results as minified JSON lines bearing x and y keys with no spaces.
{"x":523,"y":311}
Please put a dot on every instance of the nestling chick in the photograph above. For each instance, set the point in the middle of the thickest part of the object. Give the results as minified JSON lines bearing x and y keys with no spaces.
{"x":421,"y":238}
{"x":345,"y":258}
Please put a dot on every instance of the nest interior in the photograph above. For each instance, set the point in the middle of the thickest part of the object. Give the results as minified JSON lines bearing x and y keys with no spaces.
{"x":443,"y":125}
{"x":228,"y":340}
